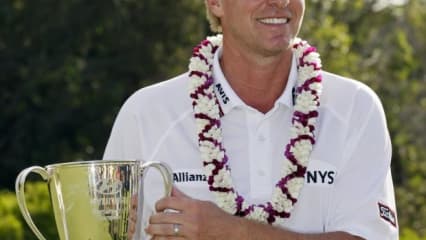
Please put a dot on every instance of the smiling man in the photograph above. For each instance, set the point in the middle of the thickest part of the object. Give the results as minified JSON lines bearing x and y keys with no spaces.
{"x":263,"y":144}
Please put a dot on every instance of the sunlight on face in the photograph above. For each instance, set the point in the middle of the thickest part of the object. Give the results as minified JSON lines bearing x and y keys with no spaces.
{"x":263,"y":26}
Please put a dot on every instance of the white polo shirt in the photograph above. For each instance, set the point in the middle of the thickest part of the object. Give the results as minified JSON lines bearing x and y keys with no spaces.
{"x":348,"y":185}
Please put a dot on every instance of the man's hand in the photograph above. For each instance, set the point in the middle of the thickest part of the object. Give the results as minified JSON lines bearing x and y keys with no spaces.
{"x":202,"y":220}
{"x":195,"y":219}
{"x":133,"y":217}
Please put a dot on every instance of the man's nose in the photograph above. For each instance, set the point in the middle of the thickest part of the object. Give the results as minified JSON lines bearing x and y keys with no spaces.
{"x":279,"y":3}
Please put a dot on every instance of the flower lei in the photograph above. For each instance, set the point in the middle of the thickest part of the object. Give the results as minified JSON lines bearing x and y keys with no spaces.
{"x":207,"y":113}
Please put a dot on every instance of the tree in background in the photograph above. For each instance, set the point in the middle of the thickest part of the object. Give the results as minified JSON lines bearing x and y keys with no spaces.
{"x":67,"y":66}
{"x":12,"y":224}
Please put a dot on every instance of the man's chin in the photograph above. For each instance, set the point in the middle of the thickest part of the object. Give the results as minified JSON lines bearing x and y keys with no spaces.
{"x":274,"y":52}
{"x":277,"y":49}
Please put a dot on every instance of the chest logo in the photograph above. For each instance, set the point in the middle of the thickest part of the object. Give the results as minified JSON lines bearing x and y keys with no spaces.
{"x":320,"y":177}
{"x":188,"y":177}
{"x":320,"y":173}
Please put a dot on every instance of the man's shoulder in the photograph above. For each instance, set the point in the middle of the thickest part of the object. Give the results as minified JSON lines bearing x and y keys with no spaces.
{"x":170,"y":87}
{"x":171,"y":93}
{"x":343,"y":95}
{"x":345,"y":89}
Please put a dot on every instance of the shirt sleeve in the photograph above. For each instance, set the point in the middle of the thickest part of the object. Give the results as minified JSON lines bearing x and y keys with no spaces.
{"x":363,"y":202}
{"x":125,"y":141}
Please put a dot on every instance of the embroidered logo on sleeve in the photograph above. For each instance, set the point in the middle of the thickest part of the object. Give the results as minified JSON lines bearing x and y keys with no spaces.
{"x":387,"y":214}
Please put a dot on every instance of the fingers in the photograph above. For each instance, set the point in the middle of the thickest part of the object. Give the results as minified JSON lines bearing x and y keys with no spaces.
{"x":167,"y":238}
{"x":166,"y":230}
{"x":133,"y":216}
{"x":166,"y":224}
{"x":177,"y":201}
{"x":167,"y":218}
{"x":177,"y":193}
{"x":168,"y":203}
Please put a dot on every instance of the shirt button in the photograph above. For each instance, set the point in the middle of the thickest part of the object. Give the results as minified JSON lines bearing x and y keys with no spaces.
{"x":261,"y":138}
{"x":261,"y":173}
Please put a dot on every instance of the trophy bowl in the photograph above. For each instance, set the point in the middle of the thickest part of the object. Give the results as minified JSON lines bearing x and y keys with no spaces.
{"x":93,"y":200}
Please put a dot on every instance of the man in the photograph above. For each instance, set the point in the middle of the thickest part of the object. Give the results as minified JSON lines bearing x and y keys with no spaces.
{"x":263,"y":145}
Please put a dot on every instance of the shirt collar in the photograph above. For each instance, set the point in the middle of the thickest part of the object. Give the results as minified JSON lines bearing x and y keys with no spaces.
{"x":287,"y":97}
{"x":228,"y":99}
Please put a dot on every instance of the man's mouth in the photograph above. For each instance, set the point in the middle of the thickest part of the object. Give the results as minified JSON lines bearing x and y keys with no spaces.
{"x":274,"y":21}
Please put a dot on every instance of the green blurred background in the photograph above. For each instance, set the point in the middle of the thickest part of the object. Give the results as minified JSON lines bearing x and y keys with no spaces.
{"x":67,"y":66}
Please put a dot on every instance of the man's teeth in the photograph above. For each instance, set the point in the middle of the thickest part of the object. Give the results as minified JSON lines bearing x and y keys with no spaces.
{"x":274,"y":20}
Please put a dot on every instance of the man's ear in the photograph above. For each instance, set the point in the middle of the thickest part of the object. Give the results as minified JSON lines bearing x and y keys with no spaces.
{"x":216,"y":7}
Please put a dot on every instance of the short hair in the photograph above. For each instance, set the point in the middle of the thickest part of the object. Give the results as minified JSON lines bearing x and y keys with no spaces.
{"x":213,"y":20}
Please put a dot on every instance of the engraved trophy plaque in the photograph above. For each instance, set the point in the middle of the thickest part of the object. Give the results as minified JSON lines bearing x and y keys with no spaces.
{"x":92,"y":200}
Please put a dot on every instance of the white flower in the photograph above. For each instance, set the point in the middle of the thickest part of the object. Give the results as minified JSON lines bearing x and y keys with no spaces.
{"x":294,"y":186}
{"x":258,"y":214}
{"x":245,"y":206}
{"x":209,"y":151}
{"x":216,"y":40}
{"x":298,"y":129}
{"x":280,"y":202}
{"x":198,"y":65}
{"x":313,"y":57}
{"x":205,"y":156}
{"x":312,"y":121}
{"x":295,"y":40}
{"x":305,"y":102}
{"x":214,"y":133}
{"x":317,"y":87}
{"x":214,"y":154}
{"x":208,"y":169}
{"x":209,"y":91}
{"x":207,"y":106}
{"x":307,"y":72}
{"x":195,"y":82}
{"x":288,"y":168}
{"x":301,"y":49}
{"x":222,"y":179}
{"x":201,"y":124}
{"x":301,"y":150}
{"x":226,"y":201}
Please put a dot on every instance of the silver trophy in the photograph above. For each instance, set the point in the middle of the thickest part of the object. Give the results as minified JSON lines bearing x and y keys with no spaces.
{"x":93,"y":200}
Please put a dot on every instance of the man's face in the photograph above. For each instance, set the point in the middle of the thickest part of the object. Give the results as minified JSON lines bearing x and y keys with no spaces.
{"x":263,"y":26}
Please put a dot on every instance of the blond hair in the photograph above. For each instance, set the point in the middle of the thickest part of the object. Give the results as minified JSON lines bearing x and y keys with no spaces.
{"x":213,"y":20}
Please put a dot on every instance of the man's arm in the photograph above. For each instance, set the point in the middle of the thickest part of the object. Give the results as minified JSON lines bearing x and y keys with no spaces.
{"x":203,"y":220}
{"x":258,"y":231}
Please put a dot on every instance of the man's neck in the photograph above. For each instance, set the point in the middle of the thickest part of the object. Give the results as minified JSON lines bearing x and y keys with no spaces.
{"x":258,"y":81}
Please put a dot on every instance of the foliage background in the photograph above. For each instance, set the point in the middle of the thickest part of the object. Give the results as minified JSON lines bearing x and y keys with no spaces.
{"x":67,"y":66}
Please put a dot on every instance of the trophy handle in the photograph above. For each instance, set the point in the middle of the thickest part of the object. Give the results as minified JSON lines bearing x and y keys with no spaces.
{"x":166,"y":173}
{"x":20,"y":195}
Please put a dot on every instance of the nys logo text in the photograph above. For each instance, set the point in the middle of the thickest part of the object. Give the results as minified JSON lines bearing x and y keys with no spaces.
{"x":320,"y":174}
{"x":320,"y":177}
